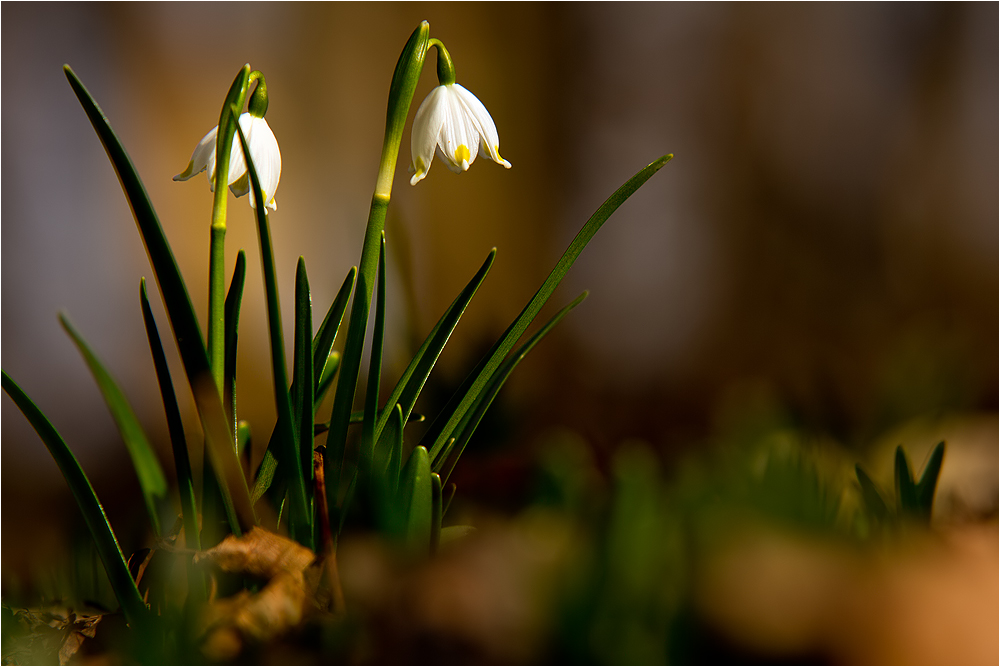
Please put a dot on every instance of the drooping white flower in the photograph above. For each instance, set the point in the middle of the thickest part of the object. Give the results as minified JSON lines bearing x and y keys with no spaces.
{"x":263,"y":148}
{"x":455,"y":123}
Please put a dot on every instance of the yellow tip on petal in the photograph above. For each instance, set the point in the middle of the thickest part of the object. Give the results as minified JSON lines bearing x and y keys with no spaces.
{"x":462,"y":156}
{"x":496,"y":149}
{"x":419,"y":170}
{"x":186,"y":174}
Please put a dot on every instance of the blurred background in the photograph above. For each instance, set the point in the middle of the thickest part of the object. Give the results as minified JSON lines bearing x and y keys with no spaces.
{"x":824,"y":242}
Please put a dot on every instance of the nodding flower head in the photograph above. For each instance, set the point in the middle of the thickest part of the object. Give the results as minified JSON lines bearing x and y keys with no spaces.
{"x":455,"y":123}
{"x":263,"y":148}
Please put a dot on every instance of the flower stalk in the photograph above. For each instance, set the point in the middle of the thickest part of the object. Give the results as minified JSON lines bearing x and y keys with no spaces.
{"x":217,"y":244}
{"x":404,"y":83}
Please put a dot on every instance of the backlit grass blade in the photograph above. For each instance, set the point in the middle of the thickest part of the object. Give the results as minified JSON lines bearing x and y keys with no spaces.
{"x":872,"y":497}
{"x":383,"y":475}
{"x":244,"y":444}
{"x":388,"y":450}
{"x":358,"y":416}
{"x":325,"y":380}
{"x":178,"y":443}
{"x":463,"y":432}
{"x":326,"y":361}
{"x":442,"y":429}
{"x":301,"y":517}
{"x":436,"y":512}
{"x":147,"y":467}
{"x":416,"y":496}
{"x":233,"y":301}
{"x":218,"y":435}
{"x":928,"y":481}
{"x":368,"y":433}
{"x":93,"y":513}
{"x":419,"y":369}
{"x":302,"y":378}
{"x":323,"y":341}
{"x":906,"y":490}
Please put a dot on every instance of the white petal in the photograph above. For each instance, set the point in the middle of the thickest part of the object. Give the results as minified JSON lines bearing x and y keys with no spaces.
{"x":483,"y":122}
{"x":266,"y":158}
{"x":237,"y":166}
{"x":199,"y":159}
{"x":458,"y":139}
{"x":424,"y":133}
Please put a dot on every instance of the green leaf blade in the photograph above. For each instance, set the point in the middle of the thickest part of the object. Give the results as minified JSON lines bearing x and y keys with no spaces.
{"x":234,"y":299}
{"x":871,"y":495}
{"x":327,"y":334}
{"x":302,"y":377}
{"x":301,"y":517}
{"x":446,"y":458}
{"x":86,"y":499}
{"x":368,"y":432}
{"x":147,"y":467}
{"x":176,"y":300}
{"x":928,"y":481}
{"x":175,"y":427}
{"x":416,"y":495}
{"x":412,"y":381}
{"x":906,"y":490}
{"x":439,"y":432}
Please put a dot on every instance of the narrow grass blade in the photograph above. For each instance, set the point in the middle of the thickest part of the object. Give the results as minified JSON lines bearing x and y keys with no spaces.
{"x":264,"y":479}
{"x":873,"y":499}
{"x":93,"y":513}
{"x":301,"y":518}
{"x":906,"y":490}
{"x":388,"y":450}
{"x":368,"y":434}
{"x":326,"y":379}
{"x":419,"y":369}
{"x":436,"y":512}
{"x":391,"y":439}
{"x":358,"y":416}
{"x":219,"y":438}
{"x":439,"y":432}
{"x":233,"y":301}
{"x":147,"y":467}
{"x":449,"y":495}
{"x":302,"y":377}
{"x":178,"y":443}
{"x":463,"y":432}
{"x":928,"y":481}
{"x":323,"y":342}
{"x":380,"y":479}
{"x":326,"y":361}
{"x":244,"y":444}
{"x":416,"y":496}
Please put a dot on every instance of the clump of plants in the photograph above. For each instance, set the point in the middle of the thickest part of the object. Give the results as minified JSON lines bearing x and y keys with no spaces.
{"x":270,"y":536}
{"x":247,"y":563}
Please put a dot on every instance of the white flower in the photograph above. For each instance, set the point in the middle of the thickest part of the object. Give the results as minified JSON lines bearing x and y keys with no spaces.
{"x":263,"y":148}
{"x":453,"y":121}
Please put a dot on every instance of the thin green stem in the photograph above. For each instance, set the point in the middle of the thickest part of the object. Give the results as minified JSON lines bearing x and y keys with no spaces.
{"x":404,"y":83}
{"x":217,"y":248}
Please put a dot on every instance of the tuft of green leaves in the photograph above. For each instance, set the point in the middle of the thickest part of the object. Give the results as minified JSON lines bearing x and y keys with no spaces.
{"x":914,"y":498}
{"x":219,"y":442}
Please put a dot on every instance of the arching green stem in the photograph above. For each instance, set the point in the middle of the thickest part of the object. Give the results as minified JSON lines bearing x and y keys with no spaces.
{"x":217,"y":246}
{"x":445,"y":67}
